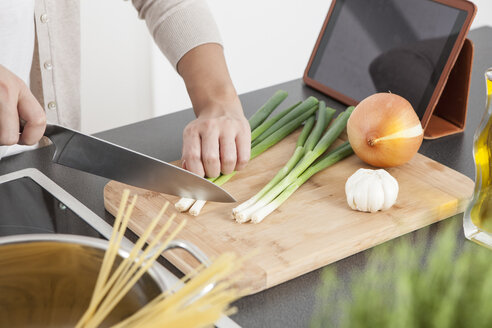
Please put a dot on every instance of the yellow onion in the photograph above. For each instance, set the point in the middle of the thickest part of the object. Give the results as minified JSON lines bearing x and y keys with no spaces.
{"x":384,"y":130}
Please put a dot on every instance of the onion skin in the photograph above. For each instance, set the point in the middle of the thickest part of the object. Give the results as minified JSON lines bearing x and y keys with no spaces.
{"x":382,"y":115}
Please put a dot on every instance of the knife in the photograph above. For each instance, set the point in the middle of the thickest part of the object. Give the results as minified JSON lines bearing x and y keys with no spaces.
{"x":90,"y":154}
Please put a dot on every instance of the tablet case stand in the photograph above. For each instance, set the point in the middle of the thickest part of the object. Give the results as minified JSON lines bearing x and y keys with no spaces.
{"x":449,"y":115}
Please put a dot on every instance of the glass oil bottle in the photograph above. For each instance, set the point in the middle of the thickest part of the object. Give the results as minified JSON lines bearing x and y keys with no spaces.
{"x":477,"y":222}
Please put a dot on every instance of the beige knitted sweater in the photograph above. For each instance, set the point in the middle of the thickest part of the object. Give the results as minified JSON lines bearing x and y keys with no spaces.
{"x":177,"y":26}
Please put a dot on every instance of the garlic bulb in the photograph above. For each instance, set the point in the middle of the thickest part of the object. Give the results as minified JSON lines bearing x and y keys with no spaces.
{"x":371,"y":190}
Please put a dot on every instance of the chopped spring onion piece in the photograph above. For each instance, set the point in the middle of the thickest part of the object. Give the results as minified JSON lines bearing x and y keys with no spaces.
{"x":184,"y":204}
{"x":268,"y":123}
{"x":329,"y":159}
{"x":298,"y":153}
{"x":306,"y":105}
{"x":267,"y":109}
{"x":197,"y":207}
{"x":309,"y":157}
{"x":281,"y":133}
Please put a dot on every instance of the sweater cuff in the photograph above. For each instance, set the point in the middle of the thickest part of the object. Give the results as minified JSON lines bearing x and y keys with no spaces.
{"x":185,"y":29}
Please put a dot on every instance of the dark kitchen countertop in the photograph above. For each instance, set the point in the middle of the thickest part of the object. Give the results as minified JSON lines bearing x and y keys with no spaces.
{"x":289,"y":304}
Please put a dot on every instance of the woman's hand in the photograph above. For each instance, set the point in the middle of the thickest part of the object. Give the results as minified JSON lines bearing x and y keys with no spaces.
{"x":219,"y":140}
{"x":18,"y":103}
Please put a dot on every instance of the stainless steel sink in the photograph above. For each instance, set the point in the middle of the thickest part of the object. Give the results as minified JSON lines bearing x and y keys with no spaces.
{"x":161,"y":277}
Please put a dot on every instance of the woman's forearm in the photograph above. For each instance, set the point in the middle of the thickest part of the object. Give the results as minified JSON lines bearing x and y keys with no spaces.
{"x":207,"y":79}
{"x":219,"y":139}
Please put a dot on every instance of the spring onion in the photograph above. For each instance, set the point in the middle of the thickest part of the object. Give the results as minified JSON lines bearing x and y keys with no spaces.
{"x":328,"y":160}
{"x":268,"y":123}
{"x":306,"y":130}
{"x":309,"y":157}
{"x":281,"y":133}
{"x":267,"y":109}
{"x":198,"y":205}
{"x":296,"y":112}
{"x":324,"y":117}
{"x":184,"y":204}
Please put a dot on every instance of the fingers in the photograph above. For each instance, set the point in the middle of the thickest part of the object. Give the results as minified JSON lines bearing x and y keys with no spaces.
{"x":9,"y":119}
{"x":243,"y":145}
{"x":192,"y":155}
{"x":216,"y":145}
{"x":227,"y":153}
{"x":33,"y":114}
{"x":210,"y":152}
{"x":17,"y":102}
{"x":9,"y":124}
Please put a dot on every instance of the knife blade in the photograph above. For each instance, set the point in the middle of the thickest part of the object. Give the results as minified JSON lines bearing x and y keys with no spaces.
{"x":93,"y":155}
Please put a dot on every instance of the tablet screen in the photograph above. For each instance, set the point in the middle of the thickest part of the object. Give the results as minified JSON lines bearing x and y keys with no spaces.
{"x":400,"y":46}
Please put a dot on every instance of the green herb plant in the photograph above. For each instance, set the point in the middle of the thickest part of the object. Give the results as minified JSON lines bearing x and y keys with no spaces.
{"x":412,"y":282}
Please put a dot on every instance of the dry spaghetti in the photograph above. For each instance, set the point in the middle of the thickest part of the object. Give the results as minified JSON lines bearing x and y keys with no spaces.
{"x":199,"y":300}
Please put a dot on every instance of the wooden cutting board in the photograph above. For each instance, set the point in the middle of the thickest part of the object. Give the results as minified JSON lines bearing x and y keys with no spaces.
{"x":315,"y":227}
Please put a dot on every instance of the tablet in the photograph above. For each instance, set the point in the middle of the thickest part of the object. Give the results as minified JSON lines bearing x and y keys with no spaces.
{"x":407,"y":47}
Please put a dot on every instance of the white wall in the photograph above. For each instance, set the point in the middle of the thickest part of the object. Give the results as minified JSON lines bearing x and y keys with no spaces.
{"x":116,"y":84}
{"x":484,"y":13}
{"x":266,"y":42}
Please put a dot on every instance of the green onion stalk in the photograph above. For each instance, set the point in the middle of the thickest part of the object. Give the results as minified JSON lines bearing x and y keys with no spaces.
{"x":268,"y":123}
{"x":272,"y":140}
{"x":291,"y":115}
{"x":261,"y":114}
{"x":328,"y":160}
{"x":307,"y":140}
{"x":308,"y":158}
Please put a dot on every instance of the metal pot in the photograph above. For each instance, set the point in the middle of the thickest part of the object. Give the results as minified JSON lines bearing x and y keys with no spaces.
{"x":46,"y":280}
